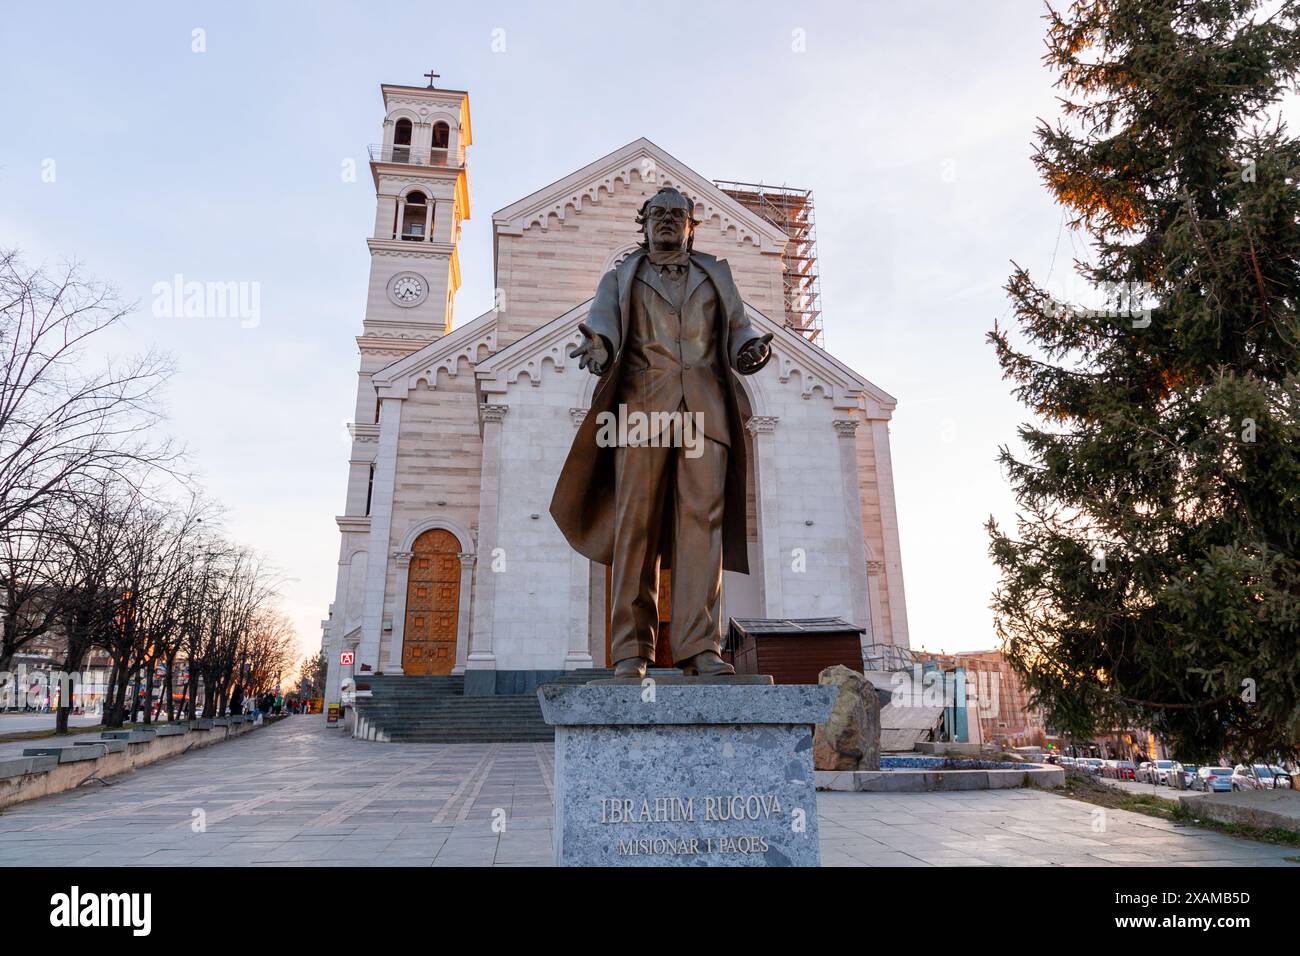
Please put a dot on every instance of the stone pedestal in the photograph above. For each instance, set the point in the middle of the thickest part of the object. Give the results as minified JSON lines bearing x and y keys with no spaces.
{"x":685,"y":772}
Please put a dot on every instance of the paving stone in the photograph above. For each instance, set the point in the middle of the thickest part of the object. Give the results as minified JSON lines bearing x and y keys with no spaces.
{"x":297,"y":794}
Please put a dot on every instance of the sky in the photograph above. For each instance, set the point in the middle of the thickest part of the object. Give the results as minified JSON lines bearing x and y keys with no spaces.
{"x":208,"y":141}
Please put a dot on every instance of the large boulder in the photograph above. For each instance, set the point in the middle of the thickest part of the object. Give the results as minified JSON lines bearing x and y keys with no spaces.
{"x":850,"y":739}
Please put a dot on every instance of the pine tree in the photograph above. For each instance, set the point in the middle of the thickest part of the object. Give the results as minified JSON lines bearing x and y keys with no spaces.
{"x":1154,"y":579}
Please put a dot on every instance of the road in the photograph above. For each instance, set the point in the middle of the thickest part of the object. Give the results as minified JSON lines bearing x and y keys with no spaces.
{"x":18,"y":723}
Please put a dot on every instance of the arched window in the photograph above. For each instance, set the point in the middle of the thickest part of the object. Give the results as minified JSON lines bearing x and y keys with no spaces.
{"x":402,"y":141}
{"x":417,"y":218}
{"x":441,"y":140}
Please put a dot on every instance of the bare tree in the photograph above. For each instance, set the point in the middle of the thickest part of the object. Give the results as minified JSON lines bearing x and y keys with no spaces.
{"x":90,"y":550}
{"x":269,"y":652}
{"x":61,"y":418}
{"x":89,"y":606}
{"x":33,"y":577}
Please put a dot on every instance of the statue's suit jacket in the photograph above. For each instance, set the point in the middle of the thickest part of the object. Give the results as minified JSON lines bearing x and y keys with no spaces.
{"x":583,"y":503}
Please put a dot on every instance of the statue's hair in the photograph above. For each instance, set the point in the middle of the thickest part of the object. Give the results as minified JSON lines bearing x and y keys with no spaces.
{"x":643,"y":216}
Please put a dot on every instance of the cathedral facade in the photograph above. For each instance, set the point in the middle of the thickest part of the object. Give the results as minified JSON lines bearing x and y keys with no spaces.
{"x":449,"y":562}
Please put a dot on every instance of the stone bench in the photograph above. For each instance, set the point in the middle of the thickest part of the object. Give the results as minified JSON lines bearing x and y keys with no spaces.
{"x":18,"y":766}
{"x":110,"y":746}
{"x":130,"y":736}
{"x":65,"y":754}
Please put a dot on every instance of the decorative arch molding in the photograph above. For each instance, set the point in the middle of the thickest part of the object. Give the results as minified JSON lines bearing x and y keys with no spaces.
{"x":469,"y":342}
{"x":402,"y":112}
{"x":422,"y":116}
{"x":640,"y":161}
{"x":630,"y":175}
{"x":450,"y":362}
{"x":753,"y":390}
{"x":548,"y":344}
{"x":810,"y":382}
{"x":617,"y":256}
{"x":437,"y":523}
{"x":395,"y":185}
{"x":362,"y":551}
{"x":442,"y":116}
{"x":422,"y":188}
{"x":555,"y":353}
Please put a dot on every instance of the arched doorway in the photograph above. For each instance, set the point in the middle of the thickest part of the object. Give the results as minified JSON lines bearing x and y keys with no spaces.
{"x":432,"y":605}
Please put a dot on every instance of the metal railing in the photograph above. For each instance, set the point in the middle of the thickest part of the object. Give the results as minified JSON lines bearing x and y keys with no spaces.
{"x":409,"y":155}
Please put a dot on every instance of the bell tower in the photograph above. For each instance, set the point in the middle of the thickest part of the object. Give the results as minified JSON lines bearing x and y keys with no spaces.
{"x":421,"y":199}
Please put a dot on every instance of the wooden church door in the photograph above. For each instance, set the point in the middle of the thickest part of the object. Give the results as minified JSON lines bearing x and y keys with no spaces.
{"x":432,"y":605}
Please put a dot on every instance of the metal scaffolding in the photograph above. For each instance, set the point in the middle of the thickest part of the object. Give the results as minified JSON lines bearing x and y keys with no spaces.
{"x":791,"y":210}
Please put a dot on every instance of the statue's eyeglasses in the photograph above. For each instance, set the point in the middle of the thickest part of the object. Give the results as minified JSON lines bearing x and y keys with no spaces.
{"x":659,"y":212}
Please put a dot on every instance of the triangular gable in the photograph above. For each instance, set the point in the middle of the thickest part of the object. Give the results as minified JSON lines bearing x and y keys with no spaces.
{"x":551,"y":342}
{"x":817,"y":369}
{"x":467,"y":341}
{"x":645,"y":160}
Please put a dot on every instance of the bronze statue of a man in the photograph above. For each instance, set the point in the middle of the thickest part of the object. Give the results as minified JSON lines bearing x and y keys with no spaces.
{"x":665,"y":486}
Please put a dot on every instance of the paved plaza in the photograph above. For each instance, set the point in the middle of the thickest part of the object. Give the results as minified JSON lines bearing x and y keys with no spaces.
{"x":297,"y":793}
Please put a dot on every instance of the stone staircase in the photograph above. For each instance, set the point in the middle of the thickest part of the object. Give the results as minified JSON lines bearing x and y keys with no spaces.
{"x":436,"y":710}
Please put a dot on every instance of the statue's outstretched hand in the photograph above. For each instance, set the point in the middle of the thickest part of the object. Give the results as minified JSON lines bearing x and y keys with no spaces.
{"x":592,"y":353}
{"x":754,"y":355}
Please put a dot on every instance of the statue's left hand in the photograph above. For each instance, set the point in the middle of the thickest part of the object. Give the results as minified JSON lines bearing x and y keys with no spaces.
{"x":754,"y":354}
{"x":591,"y":353}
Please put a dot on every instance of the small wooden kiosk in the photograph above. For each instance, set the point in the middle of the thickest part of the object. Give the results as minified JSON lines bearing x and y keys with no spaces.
{"x":792,"y":650}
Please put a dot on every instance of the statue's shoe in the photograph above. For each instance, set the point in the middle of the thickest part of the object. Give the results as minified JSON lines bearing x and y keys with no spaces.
{"x":631,"y":667}
{"x":707,"y":664}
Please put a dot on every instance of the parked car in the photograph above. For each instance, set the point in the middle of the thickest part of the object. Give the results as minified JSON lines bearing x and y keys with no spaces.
{"x":1111,"y":768}
{"x":1254,"y":777}
{"x":1121,"y":769}
{"x":1160,"y":770}
{"x":1187,"y":771}
{"x":1214,"y":779}
{"x":1092,"y":764}
{"x":1282,"y":778}
{"x":1143,"y":773}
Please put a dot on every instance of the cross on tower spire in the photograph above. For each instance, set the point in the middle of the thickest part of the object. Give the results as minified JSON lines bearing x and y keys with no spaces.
{"x":432,"y":76}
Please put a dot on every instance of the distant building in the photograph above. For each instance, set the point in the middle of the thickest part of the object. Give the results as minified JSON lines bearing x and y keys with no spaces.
{"x":41,"y":658}
{"x":998,"y":704}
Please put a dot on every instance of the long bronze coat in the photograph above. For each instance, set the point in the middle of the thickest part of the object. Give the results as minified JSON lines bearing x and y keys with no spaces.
{"x":583,"y":503}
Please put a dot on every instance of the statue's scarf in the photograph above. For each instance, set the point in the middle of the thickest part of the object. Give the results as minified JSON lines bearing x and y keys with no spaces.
{"x":669,"y":257}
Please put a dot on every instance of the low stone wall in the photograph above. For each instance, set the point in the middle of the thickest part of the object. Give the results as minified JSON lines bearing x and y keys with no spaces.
{"x":1258,"y":809}
{"x":54,"y":768}
{"x":929,"y":781}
